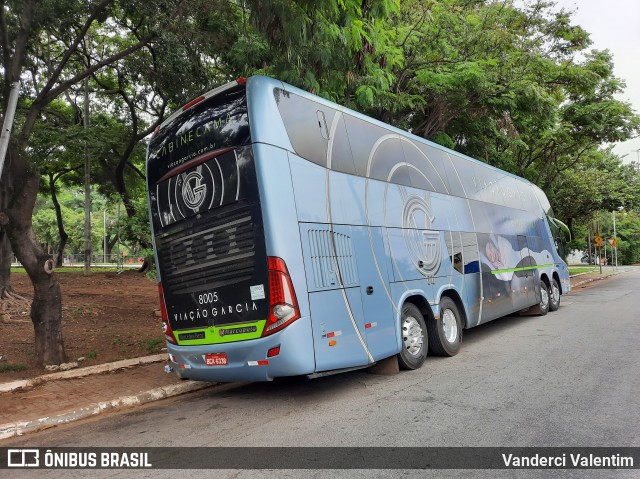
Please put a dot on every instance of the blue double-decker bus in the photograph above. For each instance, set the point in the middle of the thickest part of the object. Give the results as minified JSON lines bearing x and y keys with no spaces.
{"x":294,"y":236}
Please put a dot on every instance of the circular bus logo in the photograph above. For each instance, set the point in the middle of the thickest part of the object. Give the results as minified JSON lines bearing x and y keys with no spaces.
{"x":194,"y":190}
{"x":423,"y":243}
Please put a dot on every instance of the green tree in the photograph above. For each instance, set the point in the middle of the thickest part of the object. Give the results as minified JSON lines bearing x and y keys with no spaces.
{"x":340,"y":50}
{"x":501,"y":83}
{"x":46,"y":38}
{"x":601,"y":182}
{"x":628,"y":233}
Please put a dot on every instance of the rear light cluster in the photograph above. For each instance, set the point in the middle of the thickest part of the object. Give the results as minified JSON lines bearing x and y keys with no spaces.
{"x":192,"y":103}
{"x":283,"y":305}
{"x":166,"y":328}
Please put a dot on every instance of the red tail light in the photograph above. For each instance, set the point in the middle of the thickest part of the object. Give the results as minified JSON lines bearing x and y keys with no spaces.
{"x":273,"y":352}
{"x":283,"y":305}
{"x":192,"y":102}
{"x":166,"y":327}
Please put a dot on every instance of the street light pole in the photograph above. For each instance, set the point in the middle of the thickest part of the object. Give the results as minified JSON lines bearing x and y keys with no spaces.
{"x":87,"y":185}
{"x":8,"y":122}
{"x":615,"y":237}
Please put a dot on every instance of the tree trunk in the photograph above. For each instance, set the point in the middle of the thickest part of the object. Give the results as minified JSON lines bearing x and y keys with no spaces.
{"x":570,"y":226}
{"x":6,"y":254}
{"x":8,"y":297}
{"x":5,"y":264}
{"x":20,"y":183}
{"x":64,"y":237}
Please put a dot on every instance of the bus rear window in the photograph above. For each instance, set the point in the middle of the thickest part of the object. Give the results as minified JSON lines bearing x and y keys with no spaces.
{"x":219,"y":122}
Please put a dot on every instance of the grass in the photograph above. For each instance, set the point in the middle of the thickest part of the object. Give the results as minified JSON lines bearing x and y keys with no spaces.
{"x":153,"y":344}
{"x":11,"y":367}
{"x":91,"y":355}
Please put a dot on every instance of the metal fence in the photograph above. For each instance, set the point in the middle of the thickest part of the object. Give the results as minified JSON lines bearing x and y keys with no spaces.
{"x":97,"y":260}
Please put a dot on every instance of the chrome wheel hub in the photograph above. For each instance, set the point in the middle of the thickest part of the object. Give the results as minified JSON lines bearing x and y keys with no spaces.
{"x":412,"y":335}
{"x":450,"y":325}
{"x":544,"y":300}
{"x":555,"y":291}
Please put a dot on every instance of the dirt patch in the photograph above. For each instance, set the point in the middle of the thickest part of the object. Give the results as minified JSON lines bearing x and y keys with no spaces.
{"x":105,"y":317}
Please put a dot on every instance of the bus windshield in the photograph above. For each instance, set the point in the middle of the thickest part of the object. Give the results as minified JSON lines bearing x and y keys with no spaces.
{"x":208,"y":126}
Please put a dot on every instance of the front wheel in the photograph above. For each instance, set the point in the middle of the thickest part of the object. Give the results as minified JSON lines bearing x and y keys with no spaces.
{"x":414,"y":337}
{"x":544,"y":298}
{"x":554,"y":296}
{"x":445,"y":332}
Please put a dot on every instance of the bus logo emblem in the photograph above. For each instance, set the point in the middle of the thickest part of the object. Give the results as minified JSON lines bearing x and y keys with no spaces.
{"x":423,"y":243}
{"x":194,"y":190}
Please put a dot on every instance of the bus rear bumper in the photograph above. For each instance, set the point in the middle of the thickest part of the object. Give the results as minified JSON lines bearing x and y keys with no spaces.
{"x":247,"y":360}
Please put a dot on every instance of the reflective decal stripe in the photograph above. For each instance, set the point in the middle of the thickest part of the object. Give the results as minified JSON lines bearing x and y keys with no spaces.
{"x":261,"y":362}
{"x":334,"y":125}
{"x":524,"y":268}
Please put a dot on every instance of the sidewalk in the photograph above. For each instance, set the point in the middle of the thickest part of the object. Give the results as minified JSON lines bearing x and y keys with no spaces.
{"x":59,"y":398}
{"x":584,"y":279}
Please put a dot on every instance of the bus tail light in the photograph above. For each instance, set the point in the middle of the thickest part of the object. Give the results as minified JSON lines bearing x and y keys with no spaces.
{"x":166,"y":327}
{"x":273,"y":352}
{"x":192,"y":102}
{"x":283,"y":305}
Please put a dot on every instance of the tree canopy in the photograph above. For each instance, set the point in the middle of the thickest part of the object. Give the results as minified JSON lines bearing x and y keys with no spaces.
{"x":515,"y":85}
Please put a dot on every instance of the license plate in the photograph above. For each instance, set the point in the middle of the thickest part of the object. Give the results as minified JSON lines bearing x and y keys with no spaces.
{"x":216,"y":359}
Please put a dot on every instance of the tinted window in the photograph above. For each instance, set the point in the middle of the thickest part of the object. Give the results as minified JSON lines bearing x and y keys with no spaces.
{"x":341,"y":157}
{"x":454,"y":248}
{"x":528,"y":198}
{"x":450,"y":175}
{"x":542,"y":199}
{"x":362,"y":137}
{"x":426,"y":162}
{"x":471,"y":261}
{"x":218,"y":122}
{"x":464,"y":172}
{"x":386,"y":161}
{"x":307,"y":123}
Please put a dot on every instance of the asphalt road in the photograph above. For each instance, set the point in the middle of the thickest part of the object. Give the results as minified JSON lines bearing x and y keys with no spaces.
{"x":568,"y":379}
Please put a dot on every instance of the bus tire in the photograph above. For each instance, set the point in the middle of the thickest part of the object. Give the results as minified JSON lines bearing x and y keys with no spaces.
{"x":445,"y":332}
{"x":544,"y":299}
{"x":554,"y":295}
{"x":415,"y":344}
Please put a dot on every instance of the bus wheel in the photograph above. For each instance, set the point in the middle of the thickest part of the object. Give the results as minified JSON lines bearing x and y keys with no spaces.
{"x":544,"y":298}
{"x":414,"y":337}
{"x":554,"y":296}
{"x":445,"y":332}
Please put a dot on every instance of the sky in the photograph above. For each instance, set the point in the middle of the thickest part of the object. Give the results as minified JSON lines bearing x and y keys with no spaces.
{"x":614,"y":25}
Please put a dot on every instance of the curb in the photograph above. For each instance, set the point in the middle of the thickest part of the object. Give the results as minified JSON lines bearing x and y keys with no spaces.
{"x":586,"y":281}
{"x":81,"y":372}
{"x":579,"y":274}
{"x":19,"y":428}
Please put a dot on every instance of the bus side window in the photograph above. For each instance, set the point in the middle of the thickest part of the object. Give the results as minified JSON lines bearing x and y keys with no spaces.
{"x":362,"y":137}
{"x":306,"y":123}
{"x":470,"y":253}
{"x":341,"y":155}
